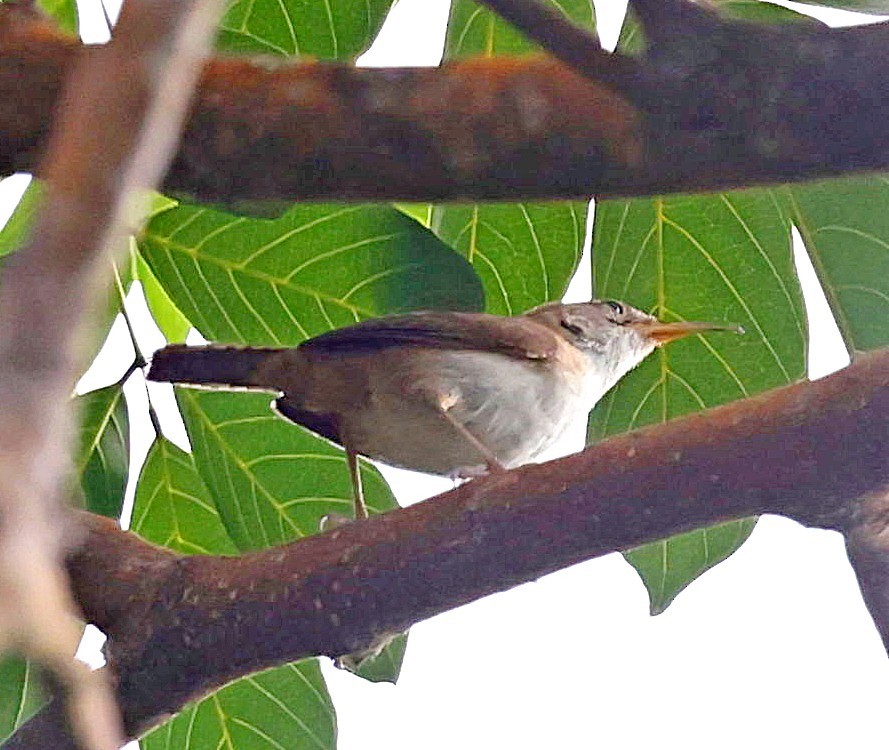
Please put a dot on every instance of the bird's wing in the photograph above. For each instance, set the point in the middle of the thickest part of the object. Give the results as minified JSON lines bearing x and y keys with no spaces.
{"x":515,"y":337}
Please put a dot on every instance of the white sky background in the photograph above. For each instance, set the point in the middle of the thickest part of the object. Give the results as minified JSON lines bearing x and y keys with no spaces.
{"x":772,"y":648}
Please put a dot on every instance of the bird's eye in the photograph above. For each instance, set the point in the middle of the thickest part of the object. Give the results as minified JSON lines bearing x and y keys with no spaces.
{"x":616,"y":306}
{"x":570,"y":327}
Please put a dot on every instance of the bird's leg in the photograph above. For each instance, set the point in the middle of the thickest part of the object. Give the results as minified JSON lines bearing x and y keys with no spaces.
{"x":445,"y":403}
{"x":357,"y":488}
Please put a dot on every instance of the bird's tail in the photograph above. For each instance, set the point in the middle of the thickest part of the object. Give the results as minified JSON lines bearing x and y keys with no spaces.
{"x":239,"y":367}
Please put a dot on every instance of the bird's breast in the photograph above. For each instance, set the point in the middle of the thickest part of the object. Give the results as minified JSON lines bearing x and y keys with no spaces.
{"x":516,"y":407}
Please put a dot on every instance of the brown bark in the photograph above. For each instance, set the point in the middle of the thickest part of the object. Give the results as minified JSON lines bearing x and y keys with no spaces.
{"x":819,"y":450}
{"x":711,"y":105}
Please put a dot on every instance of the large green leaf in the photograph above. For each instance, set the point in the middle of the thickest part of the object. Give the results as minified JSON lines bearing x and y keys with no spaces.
{"x":20,"y":694}
{"x":287,"y":707}
{"x":330,"y":30}
{"x":315,"y":268}
{"x":524,"y":253}
{"x":474,"y":30}
{"x":723,"y":257}
{"x":104,"y":456}
{"x":845,"y":226}
{"x":173,"y":507}
{"x":284,"y":707}
{"x":278,"y":282}
{"x":272,"y":481}
{"x":715,"y":257}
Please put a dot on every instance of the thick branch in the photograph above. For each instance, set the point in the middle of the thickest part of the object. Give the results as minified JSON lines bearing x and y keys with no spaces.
{"x":807,"y":451}
{"x":711,"y":105}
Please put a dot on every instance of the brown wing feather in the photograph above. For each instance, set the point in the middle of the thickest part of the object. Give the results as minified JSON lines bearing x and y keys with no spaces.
{"x":514,"y":337}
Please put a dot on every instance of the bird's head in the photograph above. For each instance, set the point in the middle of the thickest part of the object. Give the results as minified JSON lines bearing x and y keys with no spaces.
{"x":616,"y":336}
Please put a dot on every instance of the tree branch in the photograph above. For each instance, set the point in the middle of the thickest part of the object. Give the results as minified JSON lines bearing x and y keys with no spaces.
{"x":114,"y":130}
{"x":818,"y":450}
{"x":711,"y":105}
{"x":565,"y":41}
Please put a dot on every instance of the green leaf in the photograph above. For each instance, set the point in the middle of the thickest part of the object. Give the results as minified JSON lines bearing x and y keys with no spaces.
{"x":21,"y":694}
{"x":474,"y":30}
{"x":845,"y":227}
{"x":104,"y":456}
{"x":271,"y":480}
{"x":879,"y":7}
{"x":385,"y":666}
{"x":169,"y":318}
{"x":330,"y":30}
{"x":316,"y":268}
{"x":632,"y":38}
{"x":763,"y":12}
{"x":725,"y":258}
{"x":173,"y":507}
{"x":279,"y":282}
{"x":524,"y":253}
{"x":63,"y":11}
{"x":16,"y":230}
{"x":668,"y":566}
{"x":420,"y":212}
{"x":173,"y":324}
{"x":286,"y":707}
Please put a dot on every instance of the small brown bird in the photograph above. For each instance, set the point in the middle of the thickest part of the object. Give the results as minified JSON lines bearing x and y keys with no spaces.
{"x":441,"y":392}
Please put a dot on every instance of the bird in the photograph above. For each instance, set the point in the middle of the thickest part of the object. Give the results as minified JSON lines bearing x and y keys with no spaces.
{"x":442,"y":392}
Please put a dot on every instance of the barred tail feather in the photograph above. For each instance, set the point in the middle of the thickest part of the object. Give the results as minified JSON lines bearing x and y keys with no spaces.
{"x":240,"y":367}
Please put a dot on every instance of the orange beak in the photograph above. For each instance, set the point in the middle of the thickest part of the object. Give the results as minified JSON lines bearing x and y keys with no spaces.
{"x":664,"y":333}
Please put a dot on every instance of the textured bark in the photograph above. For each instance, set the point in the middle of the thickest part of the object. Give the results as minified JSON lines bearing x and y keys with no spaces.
{"x":819,"y":450}
{"x":711,"y":105}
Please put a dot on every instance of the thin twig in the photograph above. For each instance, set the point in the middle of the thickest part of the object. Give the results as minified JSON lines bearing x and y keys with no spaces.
{"x":566,"y":41}
{"x":107,"y":17}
